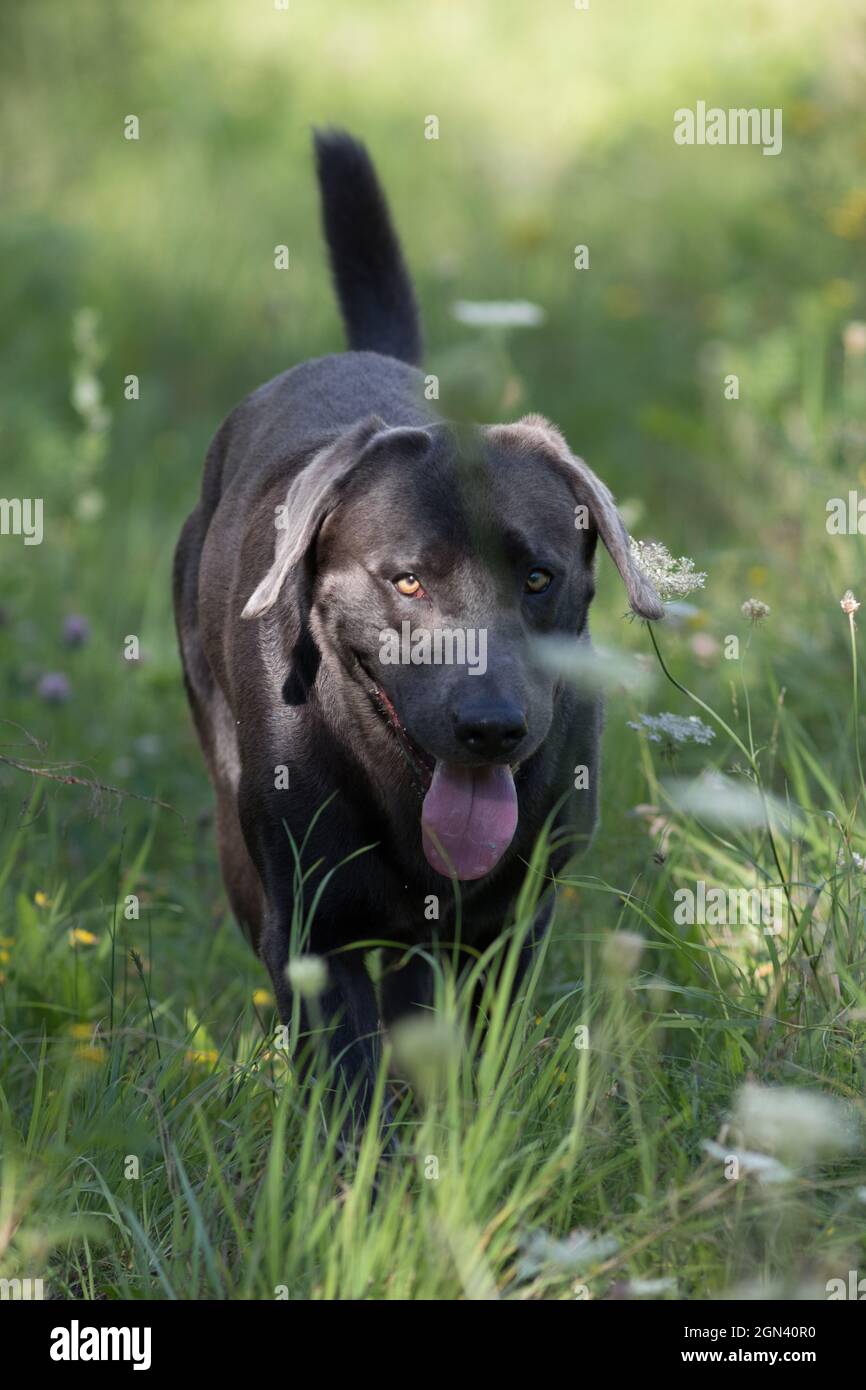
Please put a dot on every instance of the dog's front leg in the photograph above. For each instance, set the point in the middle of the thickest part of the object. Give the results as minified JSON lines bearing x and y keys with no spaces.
{"x":339,"y":1028}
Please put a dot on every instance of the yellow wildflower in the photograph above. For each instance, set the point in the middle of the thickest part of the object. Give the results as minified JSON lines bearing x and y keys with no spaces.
{"x":79,"y":936}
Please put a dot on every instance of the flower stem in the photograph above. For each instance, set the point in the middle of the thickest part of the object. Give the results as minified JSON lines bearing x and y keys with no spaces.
{"x":853,"y":632}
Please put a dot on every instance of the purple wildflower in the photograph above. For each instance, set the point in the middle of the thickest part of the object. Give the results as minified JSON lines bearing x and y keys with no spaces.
{"x":76,"y":630}
{"x":54,"y":688}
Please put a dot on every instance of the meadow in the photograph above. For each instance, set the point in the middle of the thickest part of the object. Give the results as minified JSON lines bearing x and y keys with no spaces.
{"x":676,"y":1107}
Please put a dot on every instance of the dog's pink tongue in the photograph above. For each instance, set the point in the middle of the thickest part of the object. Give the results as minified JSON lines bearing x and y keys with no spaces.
{"x":468,"y":819}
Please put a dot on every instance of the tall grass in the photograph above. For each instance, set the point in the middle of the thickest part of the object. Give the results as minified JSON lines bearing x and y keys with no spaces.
{"x":553,"y":1150}
{"x":600,"y":1139}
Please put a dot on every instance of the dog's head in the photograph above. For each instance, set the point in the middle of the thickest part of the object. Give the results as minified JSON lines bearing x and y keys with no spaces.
{"x":430,"y":560}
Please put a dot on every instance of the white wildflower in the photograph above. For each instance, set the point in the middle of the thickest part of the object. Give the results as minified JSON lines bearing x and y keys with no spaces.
{"x":724,"y":801}
{"x":577,"y":1252}
{"x":802,"y":1125}
{"x":672,"y":579}
{"x":755,"y":610}
{"x":650,"y":1288}
{"x":308,"y":976}
{"x":621,"y":953}
{"x":498,"y":313}
{"x":594,"y":668}
{"x":672,"y":728}
{"x":428,"y":1046}
{"x":765,"y":1168}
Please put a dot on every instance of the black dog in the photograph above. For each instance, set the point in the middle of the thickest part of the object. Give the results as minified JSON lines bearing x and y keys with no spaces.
{"x":342,"y":530}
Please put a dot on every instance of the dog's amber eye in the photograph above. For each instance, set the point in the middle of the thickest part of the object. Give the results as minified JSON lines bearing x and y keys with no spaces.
{"x":538,"y":580}
{"x":408,"y":585}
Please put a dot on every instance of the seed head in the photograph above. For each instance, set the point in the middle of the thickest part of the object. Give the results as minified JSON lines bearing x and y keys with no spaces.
{"x":848,"y":602}
{"x":755,"y":610}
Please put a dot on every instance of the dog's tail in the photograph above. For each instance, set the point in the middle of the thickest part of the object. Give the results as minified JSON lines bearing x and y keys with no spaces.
{"x":373,"y":286}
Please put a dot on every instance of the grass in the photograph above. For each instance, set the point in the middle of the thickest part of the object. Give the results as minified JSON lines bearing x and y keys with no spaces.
{"x":157,"y":1145}
{"x":155,"y":1141}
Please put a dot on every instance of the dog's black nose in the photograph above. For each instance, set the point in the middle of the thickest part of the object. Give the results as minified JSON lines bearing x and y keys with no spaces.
{"x":490,"y":730}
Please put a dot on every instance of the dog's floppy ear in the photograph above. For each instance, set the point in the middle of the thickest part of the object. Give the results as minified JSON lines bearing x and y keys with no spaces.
{"x":315,"y":492}
{"x":534,"y":434}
